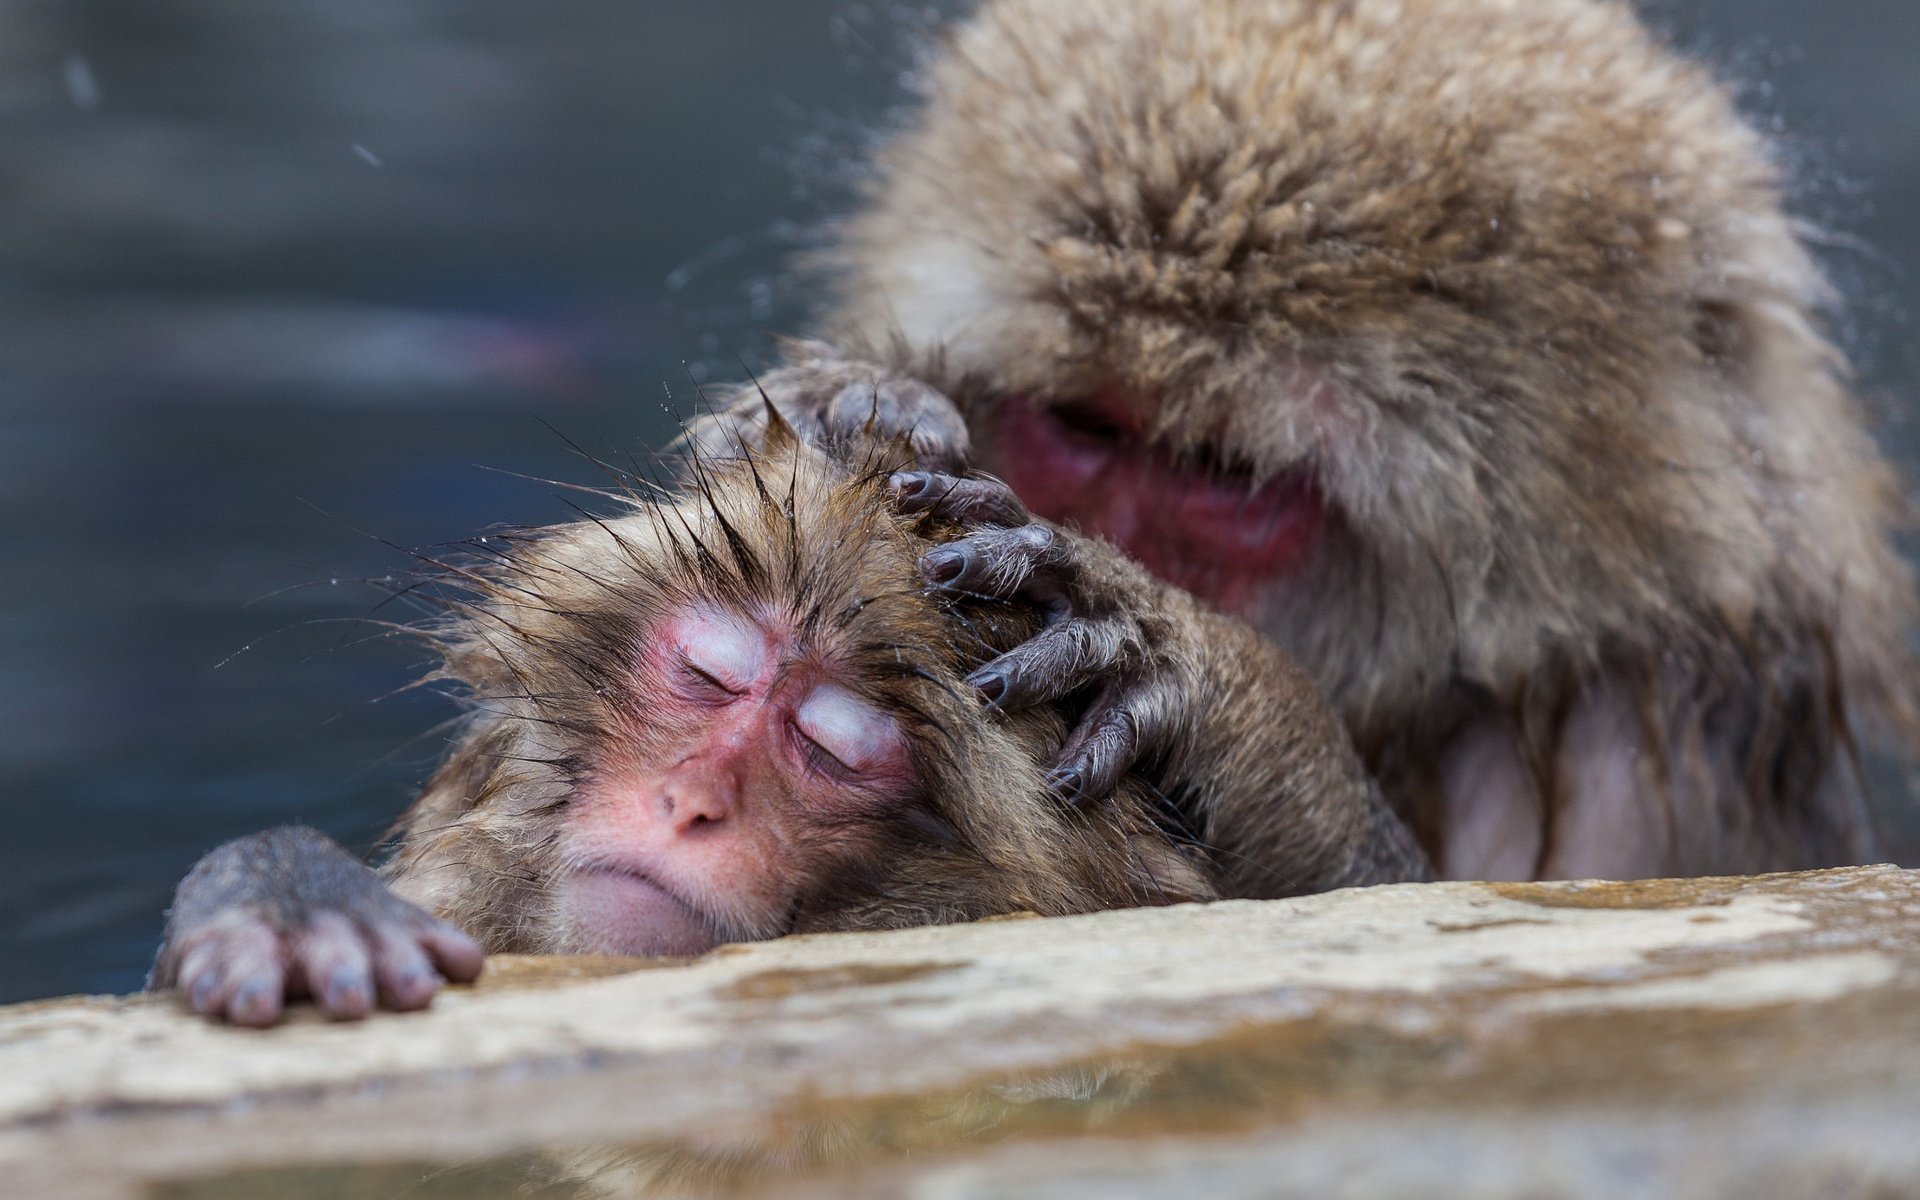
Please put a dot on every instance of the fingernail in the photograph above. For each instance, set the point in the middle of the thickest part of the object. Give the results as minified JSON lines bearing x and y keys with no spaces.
{"x":346,"y":989}
{"x":252,"y":1002}
{"x":907,"y":483}
{"x":990,"y":684}
{"x":943,"y":566}
{"x":201,"y":995}
{"x":1066,"y":784}
{"x":411,"y":987}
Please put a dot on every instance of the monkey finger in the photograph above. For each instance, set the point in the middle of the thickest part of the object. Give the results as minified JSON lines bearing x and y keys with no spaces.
{"x":457,"y":956}
{"x":225,"y":965}
{"x":1027,"y":563}
{"x":899,"y":407}
{"x":1123,"y":726}
{"x":402,"y":970}
{"x":1062,"y":658}
{"x":202,"y":977}
{"x":258,"y":999}
{"x":331,"y":953}
{"x":171,"y":963}
{"x":983,"y":501}
{"x":254,"y":978}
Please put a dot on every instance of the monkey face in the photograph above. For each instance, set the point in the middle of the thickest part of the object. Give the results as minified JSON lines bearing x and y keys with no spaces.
{"x":756,"y":770}
{"x":740,"y":713}
{"x":1204,"y":524}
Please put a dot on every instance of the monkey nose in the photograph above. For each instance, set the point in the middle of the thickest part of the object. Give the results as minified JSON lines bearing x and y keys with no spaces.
{"x":692,"y":806}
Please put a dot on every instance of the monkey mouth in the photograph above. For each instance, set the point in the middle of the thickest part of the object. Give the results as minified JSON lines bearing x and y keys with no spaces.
{"x":1206,"y":526}
{"x":616,"y":908}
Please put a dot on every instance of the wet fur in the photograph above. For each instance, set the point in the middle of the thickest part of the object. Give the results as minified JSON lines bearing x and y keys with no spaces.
{"x":1597,"y":464}
{"x":544,"y":639}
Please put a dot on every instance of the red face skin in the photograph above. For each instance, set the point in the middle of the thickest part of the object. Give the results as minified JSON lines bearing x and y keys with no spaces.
{"x":754,"y":768}
{"x":1090,"y":465}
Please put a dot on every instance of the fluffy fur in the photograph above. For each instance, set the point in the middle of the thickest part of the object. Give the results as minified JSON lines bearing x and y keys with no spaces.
{"x":1517,"y":282}
{"x":544,"y":643}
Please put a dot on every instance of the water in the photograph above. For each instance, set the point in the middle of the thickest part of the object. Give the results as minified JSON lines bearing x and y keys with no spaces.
{"x":283,"y":278}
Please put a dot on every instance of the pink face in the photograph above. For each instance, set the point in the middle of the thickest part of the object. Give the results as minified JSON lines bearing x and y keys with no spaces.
{"x":755,"y":766}
{"x":1090,"y":465}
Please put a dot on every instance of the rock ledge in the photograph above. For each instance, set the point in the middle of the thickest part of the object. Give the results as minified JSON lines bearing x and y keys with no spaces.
{"x":1720,"y":1037}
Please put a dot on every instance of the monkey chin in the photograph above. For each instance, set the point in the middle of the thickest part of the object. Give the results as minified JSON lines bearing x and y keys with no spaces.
{"x":616,"y":910}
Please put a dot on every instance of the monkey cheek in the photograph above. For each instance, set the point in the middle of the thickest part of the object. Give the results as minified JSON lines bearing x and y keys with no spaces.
{"x":616,"y":912}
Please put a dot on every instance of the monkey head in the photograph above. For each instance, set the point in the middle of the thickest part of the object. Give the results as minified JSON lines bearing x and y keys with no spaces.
{"x":737,"y":714}
{"x":1449,"y":342}
{"x":1465,"y":349}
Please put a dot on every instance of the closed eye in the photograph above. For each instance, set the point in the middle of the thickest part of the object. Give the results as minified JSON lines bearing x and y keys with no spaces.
{"x":705,"y":679}
{"x":841,"y":734}
{"x":822,"y":759}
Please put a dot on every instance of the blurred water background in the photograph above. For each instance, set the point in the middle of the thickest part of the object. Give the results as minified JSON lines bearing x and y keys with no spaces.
{"x":285,"y":281}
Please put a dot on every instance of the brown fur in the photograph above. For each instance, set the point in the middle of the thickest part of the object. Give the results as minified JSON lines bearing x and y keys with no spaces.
{"x":1597,"y":468}
{"x":545,"y":648}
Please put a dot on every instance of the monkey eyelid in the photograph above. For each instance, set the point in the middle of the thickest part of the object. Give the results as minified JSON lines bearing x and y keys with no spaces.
{"x":845,"y":727}
{"x":822,"y":759}
{"x":707,"y":677}
{"x":726,"y":649}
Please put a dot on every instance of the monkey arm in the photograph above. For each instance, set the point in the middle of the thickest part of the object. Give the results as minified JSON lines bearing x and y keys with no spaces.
{"x":287,"y":914}
{"x":1195,"y":702}
{"x":836,"y":403}
{"x":1270,"y":775}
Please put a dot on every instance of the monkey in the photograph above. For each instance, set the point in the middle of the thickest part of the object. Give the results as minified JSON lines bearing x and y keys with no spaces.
{"x":735,"y":711}
{"x":1463,"y":349}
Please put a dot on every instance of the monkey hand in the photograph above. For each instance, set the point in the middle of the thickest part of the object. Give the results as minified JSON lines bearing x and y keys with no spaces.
{"x":288,"y":914}
{"x":1110,"y":628}
{"x":1220,"y":720}
{"x":835,"y":403}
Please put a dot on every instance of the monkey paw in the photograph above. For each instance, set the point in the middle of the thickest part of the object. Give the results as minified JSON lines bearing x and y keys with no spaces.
{"x":836,"y":403}
{"x":288,"y":915}
{"x":1101,"y":632}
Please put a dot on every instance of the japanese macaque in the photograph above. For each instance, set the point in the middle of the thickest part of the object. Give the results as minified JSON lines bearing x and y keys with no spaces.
{"x":1462,"y":348}
{"x":738,"y":713}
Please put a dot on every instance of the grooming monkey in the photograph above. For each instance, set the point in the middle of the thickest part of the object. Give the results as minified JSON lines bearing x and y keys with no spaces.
{"x":1462,"y":348}
{"x":737,"y":714}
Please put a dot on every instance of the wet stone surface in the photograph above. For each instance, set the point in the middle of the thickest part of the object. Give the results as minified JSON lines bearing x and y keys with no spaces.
{"x":1716,"y":1038}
